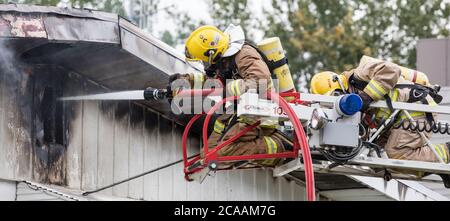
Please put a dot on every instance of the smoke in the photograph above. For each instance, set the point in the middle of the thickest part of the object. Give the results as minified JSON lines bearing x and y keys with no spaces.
{"x":14,"y":88}
{"x":11,"y":68}
{"x":6,"y":57}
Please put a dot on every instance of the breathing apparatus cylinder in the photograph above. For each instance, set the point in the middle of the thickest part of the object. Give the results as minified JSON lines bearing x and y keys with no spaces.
{"x":410,"y":75}
{"x":274,"y":52}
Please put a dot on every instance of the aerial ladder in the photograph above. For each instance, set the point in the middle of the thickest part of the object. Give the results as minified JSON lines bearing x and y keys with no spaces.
{"x":335,"y":134}
{"x":333,"y":130}
{"x":325,"y":132}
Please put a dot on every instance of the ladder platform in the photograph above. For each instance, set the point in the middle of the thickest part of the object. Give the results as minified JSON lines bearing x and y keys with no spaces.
{"x":371,"y":167}
{"x":323,"y":99}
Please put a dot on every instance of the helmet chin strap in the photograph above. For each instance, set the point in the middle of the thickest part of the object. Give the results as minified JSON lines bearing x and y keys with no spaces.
{"x":210,"y":58}
{"x":337,"y":79}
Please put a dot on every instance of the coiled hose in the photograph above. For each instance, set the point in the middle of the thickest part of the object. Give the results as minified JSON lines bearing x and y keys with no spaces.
{"x":423,"y":126}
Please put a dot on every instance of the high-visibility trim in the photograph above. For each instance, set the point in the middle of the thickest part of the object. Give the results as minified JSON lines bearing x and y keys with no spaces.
{"x":439,"y":151}
{"x":272,"y":148}
{"x":275,"y":146}
{"x":378,"y":87}
{"x":393,"y":94}
{"x":231,"y":88}
{"x":445,"y":151}
{"x":413,"y":114}
{"x":264,"y":124}
{"x":372,"y":93}
{"x":198,"y":80}
{"x":384,"y":113}
{"x":374,"y":90}
{"x":440,"y":148}
{"x":431,"y":101}
{"x":219,"y":127}
{"x":235,"y":87}
{"x":271,"y":145}
{"x":270,"y":85}
{"x":267,"y":126}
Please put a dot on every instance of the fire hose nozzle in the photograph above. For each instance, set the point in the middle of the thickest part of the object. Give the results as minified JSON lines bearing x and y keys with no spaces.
{"x":155,"y":94}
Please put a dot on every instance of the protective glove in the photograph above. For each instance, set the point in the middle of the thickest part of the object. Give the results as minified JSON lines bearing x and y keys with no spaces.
{"x":367,"y":100}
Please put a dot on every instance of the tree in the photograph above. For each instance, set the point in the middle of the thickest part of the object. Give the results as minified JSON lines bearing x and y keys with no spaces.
{"x":317,"y":35}
{"x":333,"y":35}
{"x":168,"y":38}
{"x":419,"y":19}
{"x":184,"y":28}
{"x":226,"y":12}
{"x":115,"y":6}
{"x":395,"y":27}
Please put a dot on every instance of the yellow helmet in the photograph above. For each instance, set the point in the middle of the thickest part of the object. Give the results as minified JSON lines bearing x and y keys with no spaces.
{"x":323,"y":83}
{"x":206,"y":44}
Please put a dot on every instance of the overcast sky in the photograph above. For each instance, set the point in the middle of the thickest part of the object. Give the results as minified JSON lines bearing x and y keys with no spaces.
{"x":198,"y":10}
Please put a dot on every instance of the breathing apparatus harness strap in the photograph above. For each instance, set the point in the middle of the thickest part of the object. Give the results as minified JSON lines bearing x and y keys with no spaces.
{"x":232,"y":121}
{"x":227,"y":67}
{"x":420,"y":92}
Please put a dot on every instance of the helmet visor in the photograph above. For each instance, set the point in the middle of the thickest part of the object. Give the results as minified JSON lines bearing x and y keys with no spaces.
{"x":198,"y":63}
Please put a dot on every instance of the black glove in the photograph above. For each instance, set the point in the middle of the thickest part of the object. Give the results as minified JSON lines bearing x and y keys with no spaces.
{"x":367,"y":100}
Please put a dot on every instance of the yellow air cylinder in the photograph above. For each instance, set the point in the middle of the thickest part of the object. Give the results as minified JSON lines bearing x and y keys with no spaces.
{"x":410,"y":75}
{"x":273,"y":50}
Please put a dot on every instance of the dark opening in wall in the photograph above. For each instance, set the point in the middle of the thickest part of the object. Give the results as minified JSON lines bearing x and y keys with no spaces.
{"x":52,"y":117}
{"x":49,"y":125}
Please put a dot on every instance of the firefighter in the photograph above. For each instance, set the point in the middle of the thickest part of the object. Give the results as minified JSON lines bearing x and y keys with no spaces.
{"x":380,"y":80}
{"x":240,"y":66}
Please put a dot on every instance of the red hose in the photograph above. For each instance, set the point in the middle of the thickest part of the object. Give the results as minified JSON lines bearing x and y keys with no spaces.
{"x":234,"y":138}
{"x":185,"y":137}
{"x":200,"y":93}
{"x":299,"y":132}
{"x":301,"y":136}
{"x":208,"y":118}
